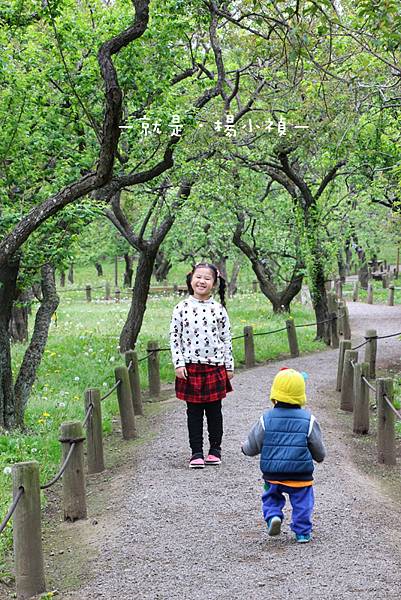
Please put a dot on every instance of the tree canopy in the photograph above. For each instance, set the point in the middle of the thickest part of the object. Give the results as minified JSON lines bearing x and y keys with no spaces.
{"x":260,"y":131}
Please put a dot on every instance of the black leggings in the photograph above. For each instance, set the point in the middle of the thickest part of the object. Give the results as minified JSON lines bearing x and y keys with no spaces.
{"x":214,"y":417}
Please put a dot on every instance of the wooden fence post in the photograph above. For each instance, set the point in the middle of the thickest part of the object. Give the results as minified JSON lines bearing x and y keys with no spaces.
{"x":332,"y":307}
{"x":249,"y":347}
{"x":371,"y":351}
{"x":361,"y":404}
{"x":385,"y":281}
{"x":355,"y":291}
{"x":88,"y":292}
{"x":332,"y":302}
{"x":370,"y":294}
{"x":153,"y":369}
{"x":292,"y":338}
{"x":125,"y":405}
{"x":340,"y":318}
{"x":385,"y":423}
{"x":334,"y":341}
{"x":117,"y":294}
{"x":94,"y":432}
{"x":27,"y":533}
{"x":132,"y":357}
{"x":254,"y":286}
{"x":390,"y":299}
{"x":74,"y":498}
{"x":346,"y":323}
{"x":344,"y":345}
{"x":339,"y":289}
{"x":347,"y":383}
{"x":107,"y":291}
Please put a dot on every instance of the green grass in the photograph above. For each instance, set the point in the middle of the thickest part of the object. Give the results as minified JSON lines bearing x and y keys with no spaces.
{"x":83,"y":351}
{"x":380,"y":295}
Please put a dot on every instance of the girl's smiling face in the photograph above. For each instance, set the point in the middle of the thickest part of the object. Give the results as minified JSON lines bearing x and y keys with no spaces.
{"x":202,"y":283}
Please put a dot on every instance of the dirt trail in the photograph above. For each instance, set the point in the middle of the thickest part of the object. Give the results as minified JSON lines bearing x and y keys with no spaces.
{"x":171,"y":533}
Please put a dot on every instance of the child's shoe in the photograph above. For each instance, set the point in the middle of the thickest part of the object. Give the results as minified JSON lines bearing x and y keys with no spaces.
{"x":274,"y":526}
{"x":303,"y":538}
{"x":197,"y":462}
{"x":212,"y":459}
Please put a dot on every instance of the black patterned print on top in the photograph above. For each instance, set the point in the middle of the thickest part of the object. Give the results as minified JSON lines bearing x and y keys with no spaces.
{"x":200,"y":333}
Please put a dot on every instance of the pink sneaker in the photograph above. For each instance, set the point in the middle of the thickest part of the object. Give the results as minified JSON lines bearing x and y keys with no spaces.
{"x":196,"y":463}
{"x":211,"y":459}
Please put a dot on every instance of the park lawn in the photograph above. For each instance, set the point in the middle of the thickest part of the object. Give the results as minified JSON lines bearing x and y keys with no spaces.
{"x":380,"y":295}
{"x":83,"y":351}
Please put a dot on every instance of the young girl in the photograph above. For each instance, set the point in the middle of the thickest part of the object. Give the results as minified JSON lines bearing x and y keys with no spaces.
{"x":202,"y":356}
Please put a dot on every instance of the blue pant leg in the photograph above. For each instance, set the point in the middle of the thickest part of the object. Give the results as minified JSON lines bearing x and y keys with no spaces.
{"x":273,"y":501}
{"x":302,"y":502}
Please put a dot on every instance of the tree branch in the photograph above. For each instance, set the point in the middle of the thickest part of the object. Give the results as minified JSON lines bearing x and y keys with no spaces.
{"x":111,"y":132}
{"x":332,"y":174}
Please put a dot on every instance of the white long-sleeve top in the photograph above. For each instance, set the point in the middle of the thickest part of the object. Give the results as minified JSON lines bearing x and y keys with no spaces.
{"x":200,"y":333}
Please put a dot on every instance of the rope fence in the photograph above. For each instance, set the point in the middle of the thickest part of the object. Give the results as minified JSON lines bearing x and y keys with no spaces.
{"x":11,"y":510}
{"x":392,"y":407}
{"x":63,"y":467}
{"x":354,"y":384}
{"x":30,"y":579}
{"x":88,"y":414}
{"x":267,"y":332}
{"x":111,"y":390}
{"x":370,"y":386}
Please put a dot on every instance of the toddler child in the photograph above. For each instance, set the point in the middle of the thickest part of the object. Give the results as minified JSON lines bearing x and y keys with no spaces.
{"x":289,"y":439}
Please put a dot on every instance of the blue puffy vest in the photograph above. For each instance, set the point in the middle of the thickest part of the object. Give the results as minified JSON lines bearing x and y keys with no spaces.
{"x":285,"y":454}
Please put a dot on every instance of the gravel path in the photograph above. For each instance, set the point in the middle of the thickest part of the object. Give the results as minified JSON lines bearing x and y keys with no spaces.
{"x":199,"y":535}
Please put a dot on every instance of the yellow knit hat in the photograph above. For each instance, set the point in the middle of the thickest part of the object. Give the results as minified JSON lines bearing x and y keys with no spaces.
{"x":288,"y":386}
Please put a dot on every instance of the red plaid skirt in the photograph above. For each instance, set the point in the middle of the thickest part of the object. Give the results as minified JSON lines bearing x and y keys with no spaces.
{"x":205,"y":383}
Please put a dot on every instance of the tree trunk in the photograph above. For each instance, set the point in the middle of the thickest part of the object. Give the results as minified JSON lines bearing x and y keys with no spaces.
{"x":8,"y":279}
{"x":34,"y":352}
{"x":128,"y":270}
{"x":280,"y":301}
{"x":162,"y":266}
{"x":140,"y":293}
{"x":342,"y":271}
{"x":99,"y":269}
{"x":232,"y":284}
{"x":62,"y":279}
{"x":71,"y":273}
{"x":19,"y":318}
{"x":348,"y":257}
{"x":116,"y":271}
{"x":363,"y":271}
{"x":319,"y":296}
{"x":221,"y":264}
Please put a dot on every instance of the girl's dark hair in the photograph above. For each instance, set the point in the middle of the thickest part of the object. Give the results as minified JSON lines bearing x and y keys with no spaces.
{"x":216,"y":276}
